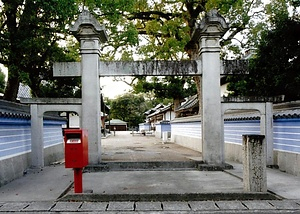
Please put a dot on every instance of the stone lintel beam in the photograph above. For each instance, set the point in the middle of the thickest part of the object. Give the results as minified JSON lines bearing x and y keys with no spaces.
{"x":66,"y":69}
{"x":51,"y":101}
{"x":132,"y":68}
{"x":150,"y":68}
{"x":161,"y":68}
{"x":87,"y":26}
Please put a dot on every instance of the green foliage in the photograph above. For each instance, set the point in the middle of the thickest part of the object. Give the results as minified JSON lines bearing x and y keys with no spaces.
{"x":29,"y":34}
{"x":275,"y":70}
{"x":162,"y":30}
{"x":49,"y":86}
{"x":277,"y":10}
{"x":138,"y":29}
{"x":175,"y":87}
{"x":129,"y":108}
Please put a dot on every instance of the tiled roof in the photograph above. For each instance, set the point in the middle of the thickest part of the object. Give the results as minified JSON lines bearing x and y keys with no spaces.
{"x":160,"y":110}
{"x":116,"y":122}
{"x":190,"y":103}
{"x":281,"y":110}
{"x":287,"y":114}
{"x":255,"y":115}
{"x":150,"y":111}
{"x":15,"y":110}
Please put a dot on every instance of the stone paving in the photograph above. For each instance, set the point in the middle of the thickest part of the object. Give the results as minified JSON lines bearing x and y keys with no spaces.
{"x":126,"y":147}
{"x":265,"y":206}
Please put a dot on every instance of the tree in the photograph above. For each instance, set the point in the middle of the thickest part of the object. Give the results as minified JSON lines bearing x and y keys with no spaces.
{"x":275,"y":67}
{"x":148,"y":29}
{"x":29,"y":33}
{"x":2,"y":81}
{"x":129,"y":108}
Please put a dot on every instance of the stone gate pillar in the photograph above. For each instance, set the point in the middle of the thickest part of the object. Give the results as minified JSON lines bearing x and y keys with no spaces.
{"x":90,"y":34}
{"x":208,"y":34}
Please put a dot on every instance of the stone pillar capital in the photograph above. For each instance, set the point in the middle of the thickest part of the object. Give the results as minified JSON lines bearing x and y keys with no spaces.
{"x":87,"y":27}
{"x":213,"y":25}
{"x":209,"y":32}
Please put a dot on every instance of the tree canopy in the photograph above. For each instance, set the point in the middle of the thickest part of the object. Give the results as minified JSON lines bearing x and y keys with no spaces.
{"x":31,"y":31}
{"x":29,"y":35}
{"x":129,"y":108}
{"x":275,"y":66}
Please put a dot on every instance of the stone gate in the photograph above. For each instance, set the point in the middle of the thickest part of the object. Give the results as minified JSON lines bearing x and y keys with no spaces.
{"x":90,"y":34}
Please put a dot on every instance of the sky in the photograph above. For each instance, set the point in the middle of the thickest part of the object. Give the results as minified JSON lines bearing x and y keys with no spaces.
{"x":112,"y":89}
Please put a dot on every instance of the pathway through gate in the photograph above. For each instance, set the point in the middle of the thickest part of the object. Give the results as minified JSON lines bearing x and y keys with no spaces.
{"x":123,"y":147}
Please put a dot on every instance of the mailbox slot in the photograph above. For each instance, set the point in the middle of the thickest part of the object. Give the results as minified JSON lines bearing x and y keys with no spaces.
{"x":73,"y":138}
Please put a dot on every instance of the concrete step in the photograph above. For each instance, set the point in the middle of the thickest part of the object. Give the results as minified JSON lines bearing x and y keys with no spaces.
{"x":137,"y":166}
{"x":169,"y":197}
{"x":214,"y":167}
{"x":157,"y":166}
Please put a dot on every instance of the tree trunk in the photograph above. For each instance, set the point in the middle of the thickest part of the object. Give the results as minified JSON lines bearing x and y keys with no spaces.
{"x":198,"y":81}
{"x":192,"y":49}
{"x":176,"y":105}
{"x":12,"y":87}
{"x":14,"y":56}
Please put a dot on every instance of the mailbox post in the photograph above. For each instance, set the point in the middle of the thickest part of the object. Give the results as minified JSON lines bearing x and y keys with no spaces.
{"x":76,"y":154}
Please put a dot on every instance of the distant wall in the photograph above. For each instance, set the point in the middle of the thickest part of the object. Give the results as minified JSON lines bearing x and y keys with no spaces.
{"x":145,"y":127}
{"x":186,"y":132}
{"x":163,"y":126}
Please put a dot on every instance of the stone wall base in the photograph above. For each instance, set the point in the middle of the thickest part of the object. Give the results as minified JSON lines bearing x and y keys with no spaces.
{"x":286,"y":161}
{"x":189,"y":142}
{"x":17,"y":166}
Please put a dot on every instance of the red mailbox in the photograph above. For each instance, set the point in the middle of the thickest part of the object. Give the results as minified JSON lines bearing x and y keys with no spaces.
{"x":76,"y":148}
{"x":76,"y":154}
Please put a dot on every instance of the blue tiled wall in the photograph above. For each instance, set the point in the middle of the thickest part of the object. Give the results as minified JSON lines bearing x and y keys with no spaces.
{"x":233,"y":130}
{"x":15,"y":135}
{"x":287,"y":135}
{"x":286,"y":132}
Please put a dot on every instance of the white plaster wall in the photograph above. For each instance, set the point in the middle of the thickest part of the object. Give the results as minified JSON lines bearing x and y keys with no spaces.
{"x":169,"y":115}
{"x":158,"y":131}
{"x":224,"y":91}
{"x":187,"y":132}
